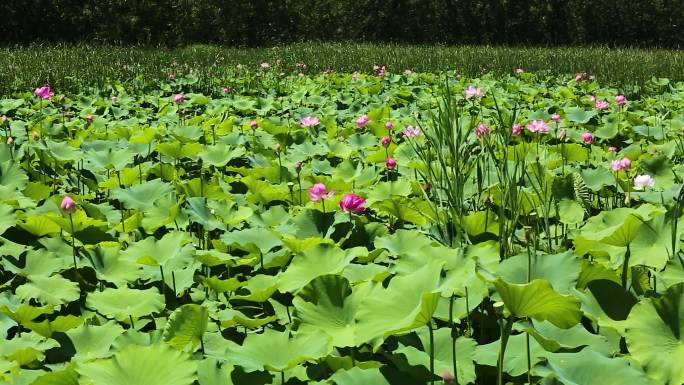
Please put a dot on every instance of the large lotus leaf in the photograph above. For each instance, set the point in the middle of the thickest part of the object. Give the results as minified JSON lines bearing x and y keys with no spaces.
{"x":275,"y":351}
{"x":654,"y":334}
{"x":60,"y":324}
{"x":387,"y":190}
{"x":553,"y":338}
{"x":186,"y":325}
{"x":618,"y":227}
{"x":415,"y":249}
{"x":161,"y":213}
{"x":359,"y":376}
{"x":538,"y":300}
{"x":561,"y":270}
{"x":443,"y":358}
{"x":92,"y":341}
{"x":260,"y":288}
{"x":588,"y":367}
{"x":54,"y":290}
{"x":327,"y":304}
{"x":404,"y":210}
{"x":515,"y":358}
{"x":7,"y":217}
{"x":220,"y":154}
{"x":652,"y":245}
{"x":110,"y":158}
{"x":322,"y":259}
{"x":142,"y":196}
{"x":111,"y":267}
{"x":173,"y":250}
{"x":407,"y":303}
{"x":27,"y":348}
{"x":39,"y":262}
{"x":231,"y":317}
{"x":178,"y":150}
{"x":67,"y":376}
{"x":12,"y":176}
{"x":264,"y":239}
{"x":211,"y":372}
{"x":141,"y":365}
{"x":123,"y":303}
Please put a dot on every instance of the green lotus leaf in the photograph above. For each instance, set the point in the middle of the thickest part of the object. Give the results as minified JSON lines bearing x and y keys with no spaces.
{"x":539,"y":301}
{"x":140,"y":365}
{"x":211,"y":372}
{"x":60,"y":324}
{"x":359,"y":376}
{"x":314,"y":262}
{"x":659,"y":323}
{"x":275,"y":351}
{"x":652,"y":245}
{"x":93,"y":341}
{"x":67,"y":376}
{"x":579,"y":115}
{"x":185,"y":326}
{"x":588,"y":367}
{"x":142,"y":196}
{"x":560,"y":270}
{"x":220,"y":154}
{"x":515,"y":359}
{"x":123,"y":303}
{"x":12,"y":176}
{"x":53,"y":290}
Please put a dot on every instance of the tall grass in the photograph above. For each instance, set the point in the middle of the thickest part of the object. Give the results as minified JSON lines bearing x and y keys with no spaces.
{"x":71,"y":67}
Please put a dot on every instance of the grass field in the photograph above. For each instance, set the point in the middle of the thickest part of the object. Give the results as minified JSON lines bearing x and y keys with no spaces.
{"x":70,"y":68}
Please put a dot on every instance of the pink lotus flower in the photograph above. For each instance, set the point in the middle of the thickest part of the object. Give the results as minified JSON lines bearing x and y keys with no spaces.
{"x":556,"y":118}
{"x":301,"y":74}
{"x":171,"y":77}
{"x":382,"y":72}
{"x":601,"y":104}
{"x":620,"y":164}
{"x":309,"y":121}
{"x":179,"y":98}
{"x":391,"y":163}
{"x":301,"y":65}
{"x":539,"y":126}
{"x":411,"y":132}
{"x":612,"y":149}
{"x":515,"y":129}
{"x":44,"y":92}
{"x":318,"y":192}
{"x":471,"y":92}
{"x":376,"y":67}
{"x":298,"y":166}
{"x":481,"y":130}
{"x":355,"y":76}
{"x":562,"y":134}
{"x":10,"y":141}
{"x":89,"y":118}
{"x":362,"y":121}
{"x":264,"y":65}
{"x":352,"y":203}
{"x":587,"y":137}
{"x":519,"y":71}
{"x":389,"y":125}
{"x":408,"y":72}
{"x":225,"y":90}
{"x":621,"y":100}
{"x":643,"y":181}
{"x":68,"y":205}
{"x":385,"y":141}
{"x":253,"y":124}
{"x":447,"y":376}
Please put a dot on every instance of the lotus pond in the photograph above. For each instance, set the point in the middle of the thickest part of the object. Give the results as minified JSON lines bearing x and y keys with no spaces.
{"x":343,"y":229}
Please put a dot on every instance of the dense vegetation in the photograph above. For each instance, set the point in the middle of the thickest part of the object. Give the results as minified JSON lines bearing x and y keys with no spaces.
{"x":268,"y":22}
{"x":74,"y":68}
{"x":342,"y":229}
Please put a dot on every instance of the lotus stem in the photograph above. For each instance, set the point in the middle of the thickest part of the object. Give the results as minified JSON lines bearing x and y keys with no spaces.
{"x":73,"y":241}
{"x":432,"y":352}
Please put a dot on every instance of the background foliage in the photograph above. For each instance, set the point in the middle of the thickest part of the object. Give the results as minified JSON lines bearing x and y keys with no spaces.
{"x":266,"y":22}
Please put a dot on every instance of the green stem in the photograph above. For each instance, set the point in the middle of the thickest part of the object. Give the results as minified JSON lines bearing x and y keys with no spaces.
{"x":432,"y":353}
{"x":453,"y":337}
{"x":73,"y":241}
{"x":625,"y":267}
{"x":505,"y":333}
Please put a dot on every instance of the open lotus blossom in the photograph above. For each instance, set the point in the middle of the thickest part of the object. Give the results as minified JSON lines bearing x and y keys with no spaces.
{"x":382,"y":72}
{"x":516,"y":129}
{"x":408,"y":72}
{"x":389,"y":125}
{"x":309,"y":121}
{"x":411,"y":132}
{"x":472,"y":92}
{"x":362,"y":121}
{"x":385,"y":141}
{"x":643,"y":181}
{"x":621,"y":100}
{"x":539,"y":126}
{"x":620,"y":164}
{"x":68,"y":205}
{"x":481,"y":130}
{"x":352,"y":203}
{"x":601,"y":104}
{"x":587,"y":137}
{"x":612,"y":149}
{"x":318,"y":191}
{"x":519,"y":71}
{"x":391,"y":163}
{"x":556,"y":118}
{"x":178,"y":98}
{"x":226,"y":90}
{"x":264,"y":65}
{"x":44,"y":92}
